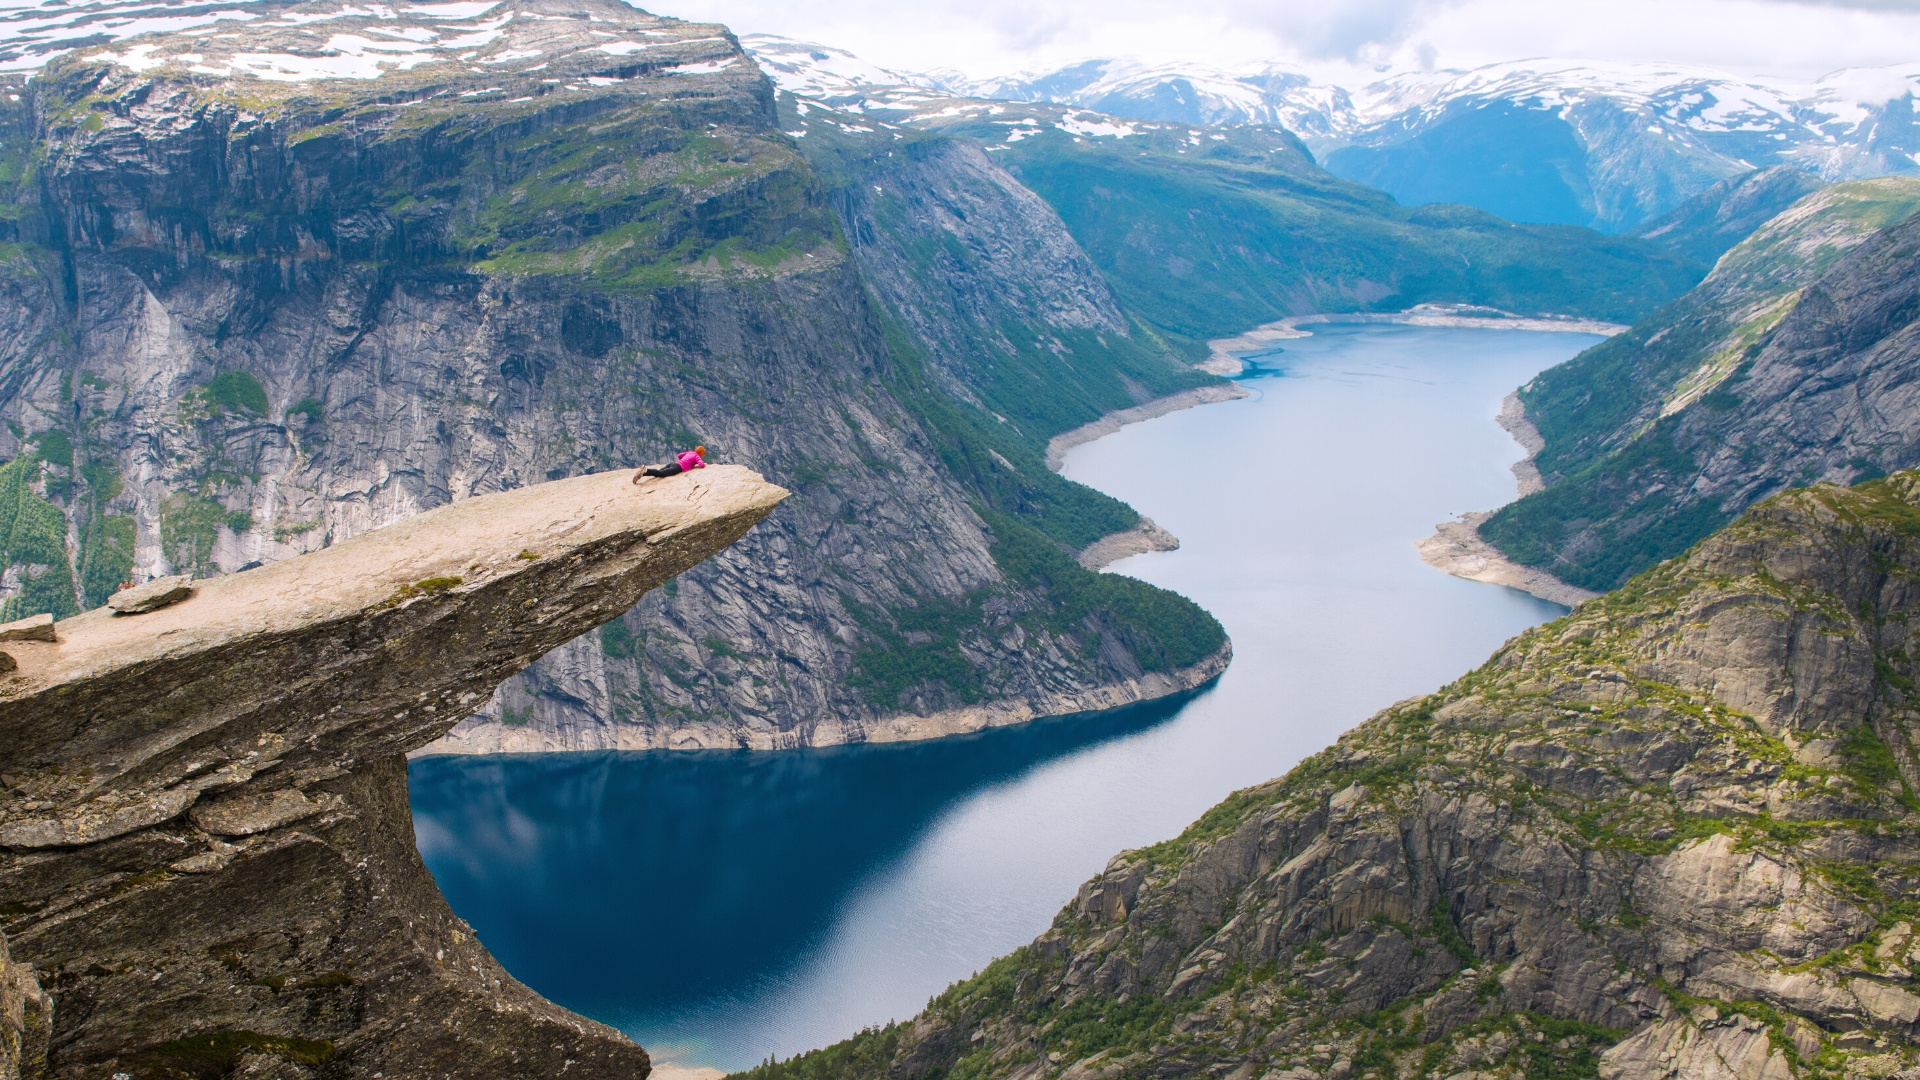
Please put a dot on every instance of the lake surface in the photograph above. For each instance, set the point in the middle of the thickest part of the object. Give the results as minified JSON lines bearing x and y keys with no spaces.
{"x":724,"y":906}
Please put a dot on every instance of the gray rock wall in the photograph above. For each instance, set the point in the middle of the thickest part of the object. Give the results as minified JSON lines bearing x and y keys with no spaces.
{"x":264,"y":317}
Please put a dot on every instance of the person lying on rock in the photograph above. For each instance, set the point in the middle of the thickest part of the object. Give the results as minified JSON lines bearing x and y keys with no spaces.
{"x":691,"y":459}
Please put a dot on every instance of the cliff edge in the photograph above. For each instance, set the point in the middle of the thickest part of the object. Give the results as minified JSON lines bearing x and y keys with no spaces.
{"x":206,"y":854}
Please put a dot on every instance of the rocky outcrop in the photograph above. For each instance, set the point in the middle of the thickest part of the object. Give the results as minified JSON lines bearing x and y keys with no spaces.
{"x":329,"y":267}
{"x":1674,"y":834}
{"x":1788,"y":364}
{"x":26,"y":1020}
{"x":206,"y":852}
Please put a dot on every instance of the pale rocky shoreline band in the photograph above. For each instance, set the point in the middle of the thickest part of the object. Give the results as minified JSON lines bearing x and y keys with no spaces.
{"x":490,"y":736}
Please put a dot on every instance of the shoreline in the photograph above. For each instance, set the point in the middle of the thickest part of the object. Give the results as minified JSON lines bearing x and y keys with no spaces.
{"x":1142,"y":538}
{"x":1456,"y":547}
{"x":1224,"y":359}
{"x":494,"y":737}
{"x":1212,"y":394}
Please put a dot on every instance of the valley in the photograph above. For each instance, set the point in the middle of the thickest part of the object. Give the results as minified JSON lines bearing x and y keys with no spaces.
{"x":1072,"y":435}
{"x":903,"y":867}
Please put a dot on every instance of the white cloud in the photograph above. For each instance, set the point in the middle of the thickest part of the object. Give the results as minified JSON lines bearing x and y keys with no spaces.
{"x":1343,"y":39}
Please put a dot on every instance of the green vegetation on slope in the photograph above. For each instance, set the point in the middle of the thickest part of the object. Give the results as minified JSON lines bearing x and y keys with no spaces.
{"x":1167,"y":630}
{"x":635,"y":204}
{"x":1038,"y":518}
{"x":1236,"y":232}
{"x":33,"y":543}
{"x":993,"y":382}
{"x":1616,"y":502}
{"x":1707,"y":225}
{"x":1601,"y":399}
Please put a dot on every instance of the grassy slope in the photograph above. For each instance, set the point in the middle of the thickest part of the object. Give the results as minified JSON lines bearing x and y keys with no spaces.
{"x":1246,"y":229}
{"x":1601,"y":412}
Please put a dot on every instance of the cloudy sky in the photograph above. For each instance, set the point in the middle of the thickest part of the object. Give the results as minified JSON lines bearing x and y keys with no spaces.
{"x":1341,"y":40}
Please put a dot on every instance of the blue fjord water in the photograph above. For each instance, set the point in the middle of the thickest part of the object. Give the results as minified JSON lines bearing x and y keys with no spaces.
{"x":724,"y":906}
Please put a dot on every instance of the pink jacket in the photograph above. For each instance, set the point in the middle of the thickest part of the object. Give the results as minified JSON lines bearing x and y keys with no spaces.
{"x":691,"y":460}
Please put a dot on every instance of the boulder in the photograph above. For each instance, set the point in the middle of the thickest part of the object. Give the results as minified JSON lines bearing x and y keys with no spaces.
{"x":31,"y":628}
{"x":152,"y":595}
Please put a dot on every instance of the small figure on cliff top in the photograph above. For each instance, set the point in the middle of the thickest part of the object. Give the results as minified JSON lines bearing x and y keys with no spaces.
{"x":690,"y":459}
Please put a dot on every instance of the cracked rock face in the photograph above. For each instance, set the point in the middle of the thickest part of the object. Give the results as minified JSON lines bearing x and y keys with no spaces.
{"x":206,"y":853}
{"x":281,"y":279}
{"x":1674,"y":834}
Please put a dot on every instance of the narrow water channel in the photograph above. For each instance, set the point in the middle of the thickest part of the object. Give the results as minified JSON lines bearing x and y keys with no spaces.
{"x":724,"y":906}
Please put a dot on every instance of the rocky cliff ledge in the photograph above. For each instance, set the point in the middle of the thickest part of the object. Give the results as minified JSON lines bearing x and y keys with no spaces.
{"x":1674,"y":834}
{"x":206,"y":854}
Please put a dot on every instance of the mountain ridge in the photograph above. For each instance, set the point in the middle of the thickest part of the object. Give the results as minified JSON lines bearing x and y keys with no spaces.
{"x":1655,"y":437}
{"x":249,"y":315}
{"x":1628,"y":142}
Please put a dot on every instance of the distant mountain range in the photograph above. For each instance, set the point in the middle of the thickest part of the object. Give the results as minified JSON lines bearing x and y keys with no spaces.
{"x":1541,"y":141}
{"x":1545,"y":141}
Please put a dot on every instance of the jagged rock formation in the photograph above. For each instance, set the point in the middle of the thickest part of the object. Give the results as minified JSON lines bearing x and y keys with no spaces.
{"x":1789,"y":364}
{"x":1674,"y":834}
{"x":281,"y":280}
{"x":206,"y":853}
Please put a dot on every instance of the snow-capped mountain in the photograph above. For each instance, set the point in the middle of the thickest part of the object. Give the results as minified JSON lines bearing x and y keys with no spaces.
{"x":818,"y":71}
{"x":1609,"y":146}
{"x":1615,"y":145}
{"x":1553,"y":141}
{"x":1179,"y":93}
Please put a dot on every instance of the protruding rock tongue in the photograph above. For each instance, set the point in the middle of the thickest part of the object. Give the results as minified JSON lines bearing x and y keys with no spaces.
{"x":205,"y":824}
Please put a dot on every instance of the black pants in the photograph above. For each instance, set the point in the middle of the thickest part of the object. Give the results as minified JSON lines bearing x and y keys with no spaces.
{"x":669,"y":469}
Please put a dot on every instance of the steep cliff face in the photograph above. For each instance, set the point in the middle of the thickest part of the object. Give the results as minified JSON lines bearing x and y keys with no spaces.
{"x":1673,"y":834}
{"x":280,"y":281}
{"x":206,"y":852}
{"x":1656,"y":437}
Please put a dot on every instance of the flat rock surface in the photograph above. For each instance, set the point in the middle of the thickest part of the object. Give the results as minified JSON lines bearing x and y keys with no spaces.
{"x":477,"y":541}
